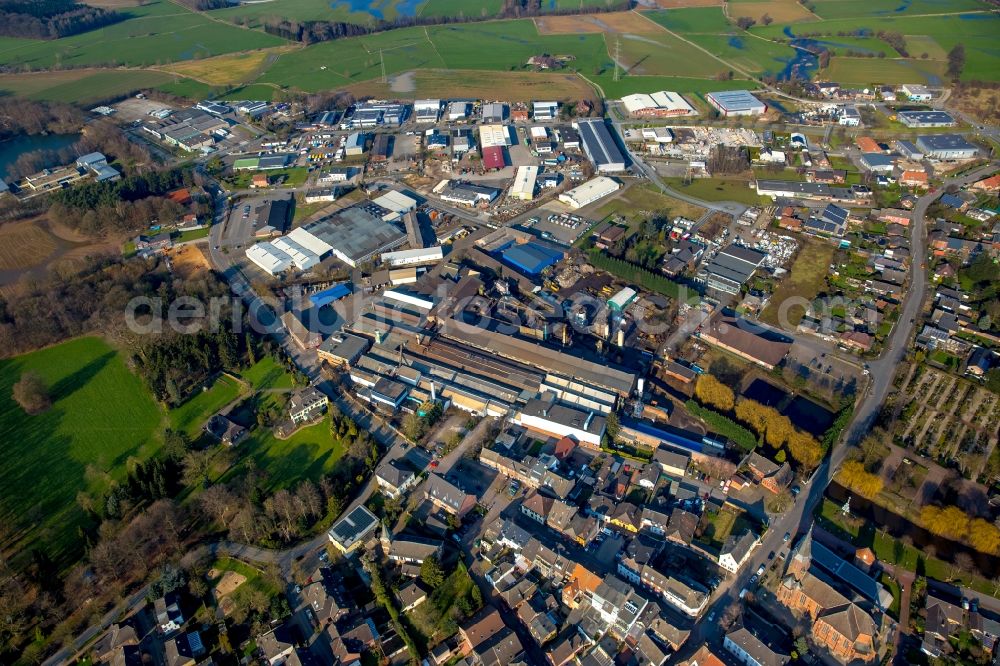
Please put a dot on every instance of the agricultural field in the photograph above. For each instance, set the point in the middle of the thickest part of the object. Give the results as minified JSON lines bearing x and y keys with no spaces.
{"x":946,"y":418}
{"x":866,"y":71}
{"x":80,"y":86}
{"x":101,"y":418}
{"x":189,"y":89}
{"x":782,"y":11}
{"x":158,"y":33}
{"x":192,"y":414}
{"x":757,"y":56}
{"x":709,"y":20}
{"x":663,"y":55}
{"x":621,"y":22}
{"x":512,"y":86}
{"x":805,"y":280}
{"x":226,"y":69}
{"x":834,"y":9}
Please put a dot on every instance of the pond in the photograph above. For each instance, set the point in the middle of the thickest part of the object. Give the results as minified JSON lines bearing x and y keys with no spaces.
{"x":11,"y":149}
{"x":765,"y":393}
{"x":809,"y":416}
{"x":376,"y":8}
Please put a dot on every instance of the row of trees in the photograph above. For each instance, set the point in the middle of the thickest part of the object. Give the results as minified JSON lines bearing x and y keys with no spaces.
{"x":952,"y":523}
{"x":853,"y":475}
{"x":637,"y":275}
{"x":51,"y":19}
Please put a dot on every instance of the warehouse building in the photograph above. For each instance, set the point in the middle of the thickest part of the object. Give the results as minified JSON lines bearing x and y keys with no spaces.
{"x":466,"y":194}
{"x":269,"y":258}
{"x":494,"y":135}
{"x":589,"y":192}
{"x":396,"y":204}
{"x":600,"y":145}
{"x":272,"y":217}
{"x":302,"y":257}
{"x":381,"y":148}
{"x":730,"y":269}
{"x":925,"y":119}
{"x":458,"y":111}
{"x":356,"y":144}
{"x":794,"y":189}
{"x":947,"y":147}
{"x":494,"y":112}
{"x":354,"y":235}
{"x":736,"y":103}
{"x":524,"y":183}
{"x":661,"y":104}
{"x":373,"y":114}
{"x":548,"y":416}
{"x":877,"y":162}
{"x":493,"y":158}
{"x":416,"y":257}
{"x":916,"y":92}
{"x":532,"y":258}
{"x":545,"y":110}
{"x":426,"y":110}
{"x":622,"y":299}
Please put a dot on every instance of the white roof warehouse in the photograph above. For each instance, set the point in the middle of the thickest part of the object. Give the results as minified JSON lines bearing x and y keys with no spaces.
{"x":661,"y":104}
{"x":600,"y":145}
{"x":736,"y":103}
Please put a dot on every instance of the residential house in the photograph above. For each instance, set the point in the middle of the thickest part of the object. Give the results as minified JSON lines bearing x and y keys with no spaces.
{"x":306,"y":404}
{"x":411,"y":595}
{"x":653,"y":521}
{"x":394,"y":478}
{"x":682,"y":527}
{"x":324,"y":595}
{"x":736,"y":550}
{"x":626,"y":516}
{"x":769,"y":474}
{"x":277,"y":645}
{"x":447,"y":496}
{"x":704,"y":657}
{"x":118,"y":635}
{"x":184,"y":650}
{"x":224,"y":429}
{"x":410,"y":548}
{"x":487,"y":641}
{"x":167,"y":609}
{"x":750,"y":650}
{"x":537,"y":507}
{"x":617,"y":604}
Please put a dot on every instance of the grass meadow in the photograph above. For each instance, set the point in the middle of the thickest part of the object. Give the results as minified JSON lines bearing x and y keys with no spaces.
{"x":80,"y":86}
{"x":101,"y":418}
{"x":191,"y":415}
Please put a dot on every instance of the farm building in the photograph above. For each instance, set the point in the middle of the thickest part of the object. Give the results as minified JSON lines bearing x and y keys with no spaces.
{"x":925,"y":119}
{"x":600,"y":145}
{"x":736,"y":103}
{"x":493,"y":158}
{"x":524,"y":183}
{"x":426,"y":110}
{"x":415,"y":257}
{"x":661,"y":104}
{"x":589,"y":192}
{"x":494,"y":135}
{"x":947,"y":147}
{"x":269,"y":258}
{"x":532,"y":258}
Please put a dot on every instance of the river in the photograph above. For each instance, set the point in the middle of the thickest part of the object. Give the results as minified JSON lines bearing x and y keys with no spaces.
{"x":11,"y":149}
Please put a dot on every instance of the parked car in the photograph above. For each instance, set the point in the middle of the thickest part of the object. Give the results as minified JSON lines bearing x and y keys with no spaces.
{"x":788,"y":535}
{"x":760,"y":570}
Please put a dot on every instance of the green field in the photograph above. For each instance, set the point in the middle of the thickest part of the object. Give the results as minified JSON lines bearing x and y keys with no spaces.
{"x":663,"y":55}
{"x":709,"y":20}
{"x":866,"y":71}
{"x":84,"y":87}
{"x":718,"y":189}
{"x":267,"y":374}
{"x":308,"y":454}
{"x":834,"y":9}
{"x":101,"y":418}
{"x":628,"y":85}
{"x":157,"y":33}
{"x":192,"y":414}
{"x":757,"y":56}
{"x":806,"y":279}
{"x":188,"y":88}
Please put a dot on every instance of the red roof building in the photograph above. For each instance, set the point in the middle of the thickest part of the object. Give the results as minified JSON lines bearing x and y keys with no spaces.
{"x":868,"y":145}
{"x":181,"y":196}
{"x":493,"y":158}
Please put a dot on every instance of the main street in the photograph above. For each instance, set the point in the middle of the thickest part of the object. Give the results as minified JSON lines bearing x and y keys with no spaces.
{"x":799,"y":516}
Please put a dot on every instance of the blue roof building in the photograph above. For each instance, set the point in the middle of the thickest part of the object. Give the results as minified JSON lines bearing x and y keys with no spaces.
{"x":532,"y":258}
{"x":327,"y":296}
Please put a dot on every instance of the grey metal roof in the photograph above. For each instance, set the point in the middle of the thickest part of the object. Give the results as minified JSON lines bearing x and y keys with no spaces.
{"x":356,"y":232}
{"x":736,"y":100}
{"x":598,"y":143}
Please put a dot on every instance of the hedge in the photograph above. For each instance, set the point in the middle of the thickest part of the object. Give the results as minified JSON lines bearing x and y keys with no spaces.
{"x":723,"y":425}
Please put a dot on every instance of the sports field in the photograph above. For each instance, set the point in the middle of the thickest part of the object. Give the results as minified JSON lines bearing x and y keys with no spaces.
{"x":101,"y":418}
{"x":158,"y":33}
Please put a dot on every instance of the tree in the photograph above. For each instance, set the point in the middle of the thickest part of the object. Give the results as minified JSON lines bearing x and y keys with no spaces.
{"x":984,"y":536}
{"x":32,"y":394}
{"x":780,"y":502}
{"x":431,"y":573}
{"x":805,"y":450}
{"x":949,"y":522}
{"x":854,"y":476}
{"x":745,"y":22}
{"x":711,"y":391}
{"x":414,"y":426}
{"x":196,"y":467}
{"x":956,"y":61}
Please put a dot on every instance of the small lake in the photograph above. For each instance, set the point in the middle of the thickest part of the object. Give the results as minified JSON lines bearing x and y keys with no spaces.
{"x":765,"y":393}
{"x":377,"y":8}
{"x":11,"y":149}
{"x":803,"y":412}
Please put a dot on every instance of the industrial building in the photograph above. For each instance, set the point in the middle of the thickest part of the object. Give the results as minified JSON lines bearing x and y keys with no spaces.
{"x":494,"y":135}
{"x":661,"y":104}
{"x":730,"y":269}
{"x":736,"y":103}
{"x":548,"y":416}
{"x":545,"y":110}
{"x":354,"y":235}
{"x":381,"y":148}
{"x":600,"y":145}
{"x":396,"y":203}
{"x":622,"y":299}
{"x":373,"y":114}
{"x":272,"y":217}
{"x":426,"y":110}
{"x":493,"y":158}
{"x":946,"y":147}
{"x":356,"y":144}
{"x":413,"y":257}
{"x":794,"y":189}
{"x":925,"y":119}
{"x":524,"y":183}
{"x":532,"y":258}
{"x":589,"y":192}
{"x":494,"y":112}
{"x":877,"y":162}
{"x":748,"y":340}
{"x":916,"y":92}
{"x":458,"y":111}
{"x":269,"y":258}
{"x":467,"y":194}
